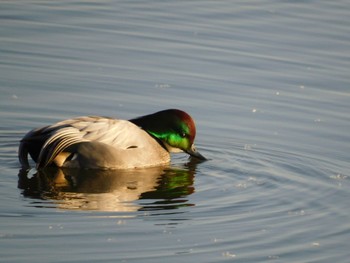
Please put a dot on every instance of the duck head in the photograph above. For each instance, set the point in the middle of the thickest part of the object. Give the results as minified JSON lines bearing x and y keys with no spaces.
{"x":175,"y":129}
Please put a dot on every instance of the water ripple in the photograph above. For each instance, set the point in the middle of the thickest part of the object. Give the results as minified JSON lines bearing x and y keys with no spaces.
{"x":268,"y":85}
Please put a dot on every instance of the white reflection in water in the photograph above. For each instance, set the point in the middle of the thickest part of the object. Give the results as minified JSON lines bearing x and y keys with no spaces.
{"x":110,"y":190}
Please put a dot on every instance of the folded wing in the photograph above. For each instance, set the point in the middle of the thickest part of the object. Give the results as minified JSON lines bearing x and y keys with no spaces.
{"x":46,"y":144}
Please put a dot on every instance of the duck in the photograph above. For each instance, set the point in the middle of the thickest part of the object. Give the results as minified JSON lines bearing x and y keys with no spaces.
{"x":96,"y":142}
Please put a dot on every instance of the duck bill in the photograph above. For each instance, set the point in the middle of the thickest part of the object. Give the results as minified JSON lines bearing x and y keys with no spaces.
{"x":194,"y":153}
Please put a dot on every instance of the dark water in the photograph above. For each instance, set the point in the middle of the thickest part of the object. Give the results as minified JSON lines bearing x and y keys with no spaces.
{"x":268,"y":85}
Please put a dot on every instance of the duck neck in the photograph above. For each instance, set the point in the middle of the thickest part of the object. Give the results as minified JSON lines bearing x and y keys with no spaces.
{"x":150,"y":124}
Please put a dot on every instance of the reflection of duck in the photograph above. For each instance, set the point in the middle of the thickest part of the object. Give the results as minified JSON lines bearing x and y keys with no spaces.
{"x":111,"y":190}
{"x":99,"y":142}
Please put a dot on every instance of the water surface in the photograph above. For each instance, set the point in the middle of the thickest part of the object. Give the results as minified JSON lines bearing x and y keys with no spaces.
{"x":268,"y":85}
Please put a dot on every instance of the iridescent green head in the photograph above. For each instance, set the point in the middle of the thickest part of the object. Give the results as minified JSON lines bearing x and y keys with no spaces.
{"x":174,"y":128}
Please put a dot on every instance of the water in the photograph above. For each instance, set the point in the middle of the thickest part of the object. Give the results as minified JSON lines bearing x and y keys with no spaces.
{"x":268,"y":85}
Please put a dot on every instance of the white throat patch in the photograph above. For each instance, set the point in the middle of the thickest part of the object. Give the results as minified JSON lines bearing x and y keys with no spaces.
{"x":172,"y":149}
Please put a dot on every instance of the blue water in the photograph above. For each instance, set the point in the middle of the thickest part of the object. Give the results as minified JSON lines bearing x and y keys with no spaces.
{"x":267,"y":83}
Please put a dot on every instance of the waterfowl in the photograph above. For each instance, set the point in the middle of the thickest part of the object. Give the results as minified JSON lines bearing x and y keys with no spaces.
{"x":96,"y":142}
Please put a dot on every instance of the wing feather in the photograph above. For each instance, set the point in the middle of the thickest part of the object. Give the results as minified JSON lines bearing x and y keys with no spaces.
{"x":57,"y":143}
{"x":56,"y":138}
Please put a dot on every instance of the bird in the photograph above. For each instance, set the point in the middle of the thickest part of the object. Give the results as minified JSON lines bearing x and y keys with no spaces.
{"x":97,"y":142}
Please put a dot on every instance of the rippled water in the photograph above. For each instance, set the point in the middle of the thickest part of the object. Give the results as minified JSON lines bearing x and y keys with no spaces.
{"x":268,"y":85}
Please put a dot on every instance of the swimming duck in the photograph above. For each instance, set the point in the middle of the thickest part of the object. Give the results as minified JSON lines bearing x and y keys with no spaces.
{"x":96,"y":142}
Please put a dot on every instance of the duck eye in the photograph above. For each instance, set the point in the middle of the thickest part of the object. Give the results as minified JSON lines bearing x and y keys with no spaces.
{"x":183,"y":135}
